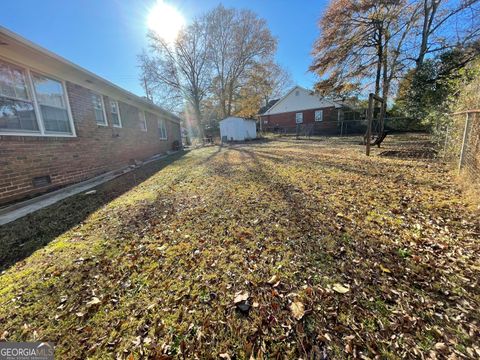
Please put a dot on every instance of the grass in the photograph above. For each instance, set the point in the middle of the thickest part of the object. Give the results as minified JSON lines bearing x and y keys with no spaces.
{"x":149,"y":266}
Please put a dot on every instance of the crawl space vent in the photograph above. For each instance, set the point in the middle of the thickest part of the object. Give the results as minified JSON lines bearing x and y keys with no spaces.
{"x":41,"y":181}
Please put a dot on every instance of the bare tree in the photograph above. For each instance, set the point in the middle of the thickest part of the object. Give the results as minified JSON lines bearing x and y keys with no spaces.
{"x":238,"y":40}
{"x":445,"y":24}
{"x":179,"y":73}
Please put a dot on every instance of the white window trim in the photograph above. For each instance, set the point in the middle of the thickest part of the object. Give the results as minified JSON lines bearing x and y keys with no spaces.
{"x":105,"y":124}
{"x":118,"y":113}
{"x":30,"y":88}
{"x":315,"y":115}
{"x":166,"y":131}
{"x":296,"y":121}
{"x":144,"y":120}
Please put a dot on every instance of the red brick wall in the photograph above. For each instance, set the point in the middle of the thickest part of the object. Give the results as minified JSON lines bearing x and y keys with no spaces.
{"x":95,"y":150}
{"x":287,"y":120}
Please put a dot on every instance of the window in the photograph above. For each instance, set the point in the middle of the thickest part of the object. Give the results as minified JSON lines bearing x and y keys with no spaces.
{"x":115,"y":112}
{"x":32,"y":104}
{"x":299,"y":118}
{"x":52,"y":104}
{"x":143,"y":120}
{"x":17,"y":112}
{"x":162,"y":129}
{"x":318,"y":115}
{"x":99,"y":109}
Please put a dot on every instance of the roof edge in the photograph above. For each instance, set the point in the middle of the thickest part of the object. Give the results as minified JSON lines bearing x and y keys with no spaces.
{"x":67,"y":62}
{"x":334,"y":103}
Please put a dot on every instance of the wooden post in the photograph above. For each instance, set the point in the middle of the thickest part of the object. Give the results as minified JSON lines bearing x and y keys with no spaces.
{"x":383,"y":111}
{"x":369,"y":124}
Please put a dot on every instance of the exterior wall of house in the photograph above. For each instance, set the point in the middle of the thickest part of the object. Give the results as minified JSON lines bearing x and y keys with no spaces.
{"x":95,"y":149}
{"x":286,"y":121}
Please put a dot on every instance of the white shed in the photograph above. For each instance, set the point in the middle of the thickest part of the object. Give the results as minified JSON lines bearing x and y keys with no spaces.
{"x":237,"y":129}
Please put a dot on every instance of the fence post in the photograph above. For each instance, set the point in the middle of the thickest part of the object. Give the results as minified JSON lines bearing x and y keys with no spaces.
{"x":369,"y":124}
{"x":464,"y":141}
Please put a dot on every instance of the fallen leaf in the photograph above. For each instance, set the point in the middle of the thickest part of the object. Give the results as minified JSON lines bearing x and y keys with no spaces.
{"x":137,"y":341}
{"x":240,"y":296}
{"x":273,"y":280}
{"x":298,"y":310}
{"x":340,"y":288}
{"x":384,"y":269}
{"x":440,"y":346}
{"x":225,"y":356}
{"x":95,"y":300}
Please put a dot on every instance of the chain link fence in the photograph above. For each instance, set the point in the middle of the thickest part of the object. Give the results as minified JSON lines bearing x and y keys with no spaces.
{"x":461,"y":144}
{"x":346,"y":127}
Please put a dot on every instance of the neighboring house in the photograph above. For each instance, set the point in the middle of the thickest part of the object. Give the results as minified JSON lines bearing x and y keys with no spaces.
{"x":301,"y":107}
{"x":267,"y":106}
{"x":61,"y":124}
{"x":238,"y":129}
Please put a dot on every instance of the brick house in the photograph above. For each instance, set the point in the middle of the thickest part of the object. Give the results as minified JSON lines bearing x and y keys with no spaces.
{"x":61,"y":124}
{"x":299,"y":108}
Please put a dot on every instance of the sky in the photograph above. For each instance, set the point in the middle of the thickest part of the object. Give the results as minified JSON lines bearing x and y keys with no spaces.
{"x":105,"y":36}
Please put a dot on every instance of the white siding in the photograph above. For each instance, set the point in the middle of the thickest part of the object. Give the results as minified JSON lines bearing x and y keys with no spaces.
{"x":250,"y":129}
{"x":237,"y":129}
{"x":299,"y":99}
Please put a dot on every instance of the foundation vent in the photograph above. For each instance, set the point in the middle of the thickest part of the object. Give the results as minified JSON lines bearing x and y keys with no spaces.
{"x":41,"y":181}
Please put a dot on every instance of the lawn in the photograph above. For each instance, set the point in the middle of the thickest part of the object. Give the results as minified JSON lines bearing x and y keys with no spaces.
{"x":277,"y":249}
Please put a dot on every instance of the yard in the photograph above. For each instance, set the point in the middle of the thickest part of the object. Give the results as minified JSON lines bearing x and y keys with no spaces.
{"x":276,"y":249}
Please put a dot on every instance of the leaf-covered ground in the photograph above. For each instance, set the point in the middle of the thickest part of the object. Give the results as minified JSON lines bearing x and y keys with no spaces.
{"x":272,"y":250}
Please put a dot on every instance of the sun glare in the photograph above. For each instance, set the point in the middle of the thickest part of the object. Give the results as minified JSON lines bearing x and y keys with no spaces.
{"x":165,"y":20}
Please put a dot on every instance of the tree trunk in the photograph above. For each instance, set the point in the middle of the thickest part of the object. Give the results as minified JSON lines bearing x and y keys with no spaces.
{"x":198,"y":119}
{"x":425,"y":30}
{"x":385,"y":88}
{"x":430,"y":8}
{"x":378,"y":75}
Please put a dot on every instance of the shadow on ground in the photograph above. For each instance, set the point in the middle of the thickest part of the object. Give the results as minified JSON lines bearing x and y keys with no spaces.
{"x":20,"y":238}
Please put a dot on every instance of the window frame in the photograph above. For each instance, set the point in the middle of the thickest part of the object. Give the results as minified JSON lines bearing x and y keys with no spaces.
{"x":63,"y":84}
{"x":105,"y":124}
{"x":36,"y":105}
{"x":321,"y":115}
{"x":143,"y":116}
{"x":164,"y":127}
{"x":118,"y":114}
{"x":296,"y":118}
{"x":30,"y":99}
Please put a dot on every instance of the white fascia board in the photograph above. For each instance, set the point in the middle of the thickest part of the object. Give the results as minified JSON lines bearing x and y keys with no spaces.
{"x":268,"y":112}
